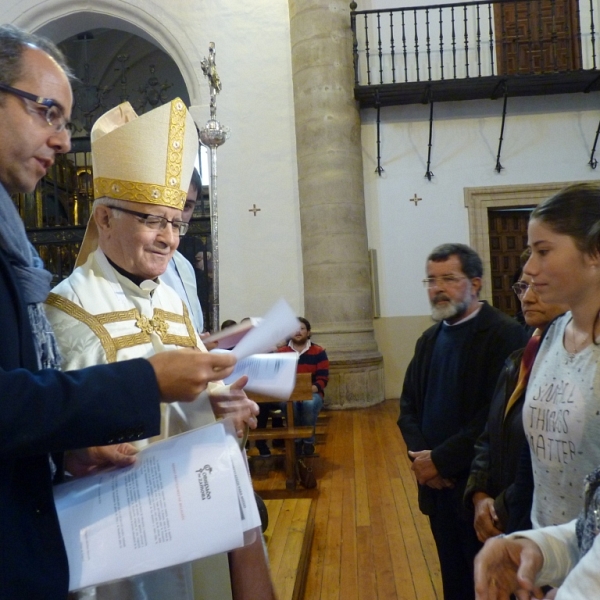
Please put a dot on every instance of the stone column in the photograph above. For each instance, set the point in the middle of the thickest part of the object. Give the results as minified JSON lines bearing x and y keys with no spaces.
{"x":337,"y":288}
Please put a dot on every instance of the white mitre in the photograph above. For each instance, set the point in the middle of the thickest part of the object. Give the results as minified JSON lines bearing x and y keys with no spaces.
{"x":147,"y":159}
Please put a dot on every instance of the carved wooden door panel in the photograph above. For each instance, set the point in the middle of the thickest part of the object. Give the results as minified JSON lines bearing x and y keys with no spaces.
{"x":508,"y":240}
{"x":539,"y":36}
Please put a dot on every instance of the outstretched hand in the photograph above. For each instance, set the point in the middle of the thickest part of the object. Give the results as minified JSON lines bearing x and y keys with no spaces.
{"x":184,"y":374}
{"x":508,"y":566}
{"x":235,"y":404}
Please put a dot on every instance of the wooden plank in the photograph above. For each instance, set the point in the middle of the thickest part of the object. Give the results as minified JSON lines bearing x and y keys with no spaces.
{"x":398,"y":553}
{"x":300,"y":584}
{"x":393,"y":555}
{"x":279,"y":537}
{"x":314,"y":579}
{"x":280,"y":433}
{"x":421,"y":579}
{"x":363,"y":517}
{"x":377,"y":482}
{"x":367,"y":587}
{"x":349,"y":556}
{"x":288,"y":537}
{"x":289,"y":567}
{"x":330,"y":589}
{"x":273,"y":509}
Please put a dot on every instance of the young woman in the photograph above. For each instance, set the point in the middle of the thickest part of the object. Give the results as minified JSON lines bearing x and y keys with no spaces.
{"x":561,"y":414}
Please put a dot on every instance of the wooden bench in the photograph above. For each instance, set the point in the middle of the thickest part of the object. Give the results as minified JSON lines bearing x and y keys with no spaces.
{"x":302,"y":391}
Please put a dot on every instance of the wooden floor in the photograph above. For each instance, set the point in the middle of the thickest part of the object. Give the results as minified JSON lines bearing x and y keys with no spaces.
{"x":370,"y":539}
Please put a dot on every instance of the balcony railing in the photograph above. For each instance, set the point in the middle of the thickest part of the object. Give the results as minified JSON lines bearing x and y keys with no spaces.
{"x":473,"y":50}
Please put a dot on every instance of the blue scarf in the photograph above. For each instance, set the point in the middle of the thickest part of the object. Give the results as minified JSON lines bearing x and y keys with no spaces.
{"x":34,"y":280}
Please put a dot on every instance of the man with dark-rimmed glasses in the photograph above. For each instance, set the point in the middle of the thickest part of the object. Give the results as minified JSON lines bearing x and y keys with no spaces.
{"x":445,"y":400}
{"x":45,"y":412}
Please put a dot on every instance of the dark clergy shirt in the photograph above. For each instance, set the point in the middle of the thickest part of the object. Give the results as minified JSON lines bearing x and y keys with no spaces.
{"x":442,"y":414}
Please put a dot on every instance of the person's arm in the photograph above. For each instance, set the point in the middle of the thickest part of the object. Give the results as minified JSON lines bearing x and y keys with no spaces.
{"x":479,"y":475}
{"x":51,"y":411}
{"x":409,"y":420}
{"x":321,"y":374}
{"x":558,"y":545}
{"x":250,"y":576}
{"x":518,"y":497}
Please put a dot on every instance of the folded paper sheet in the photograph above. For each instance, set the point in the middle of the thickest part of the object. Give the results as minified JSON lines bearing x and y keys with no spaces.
{"x":269,"y":374}
{"x":277,"y":325}
{"x":185,"y":498}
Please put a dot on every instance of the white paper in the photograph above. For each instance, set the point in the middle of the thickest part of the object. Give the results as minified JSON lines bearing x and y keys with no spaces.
{"x":269,"y":374}
{"x":186,"y":497}
{"x":277,"y":325}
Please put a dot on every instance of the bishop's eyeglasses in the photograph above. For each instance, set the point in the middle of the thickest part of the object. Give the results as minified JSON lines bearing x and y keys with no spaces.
{"x":156,"y":222}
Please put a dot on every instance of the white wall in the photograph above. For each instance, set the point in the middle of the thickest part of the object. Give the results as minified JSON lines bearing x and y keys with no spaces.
{"x":546,"y":139}
{"x":260,"y":257}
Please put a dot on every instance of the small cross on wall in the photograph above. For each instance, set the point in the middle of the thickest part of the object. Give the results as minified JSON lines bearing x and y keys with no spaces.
{"x":253,"y":209}
{"x":416,"y":199}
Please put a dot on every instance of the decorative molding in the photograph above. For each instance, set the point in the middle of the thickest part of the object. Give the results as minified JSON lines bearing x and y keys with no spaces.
{"x":479,"y":200}
{"x":60,"y":19}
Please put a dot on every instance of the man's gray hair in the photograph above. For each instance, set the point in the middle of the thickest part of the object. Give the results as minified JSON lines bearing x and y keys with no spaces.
{"x":470,"y":261}
{"x":108,"y":201}
{"x":13,"y":42}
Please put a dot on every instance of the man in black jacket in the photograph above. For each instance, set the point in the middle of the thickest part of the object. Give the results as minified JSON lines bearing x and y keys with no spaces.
{"x":44,"y":412}
{"x":445,"y":399}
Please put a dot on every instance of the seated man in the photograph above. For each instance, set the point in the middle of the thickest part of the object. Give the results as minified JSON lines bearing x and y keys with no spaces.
{"x":311,"y":359}
{"x":114,"y":306}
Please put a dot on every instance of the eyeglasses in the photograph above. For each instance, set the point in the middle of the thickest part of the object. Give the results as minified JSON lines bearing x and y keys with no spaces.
{"x":156,"y":222}
{"x":443,"y":280}
{"x":53,"y":113}
{"x":520,"y":288}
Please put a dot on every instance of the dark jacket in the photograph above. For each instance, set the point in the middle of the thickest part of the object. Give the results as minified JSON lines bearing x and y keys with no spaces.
{"x":43,"y":412}
{"x":494,"y":337}
{"x":498,"y":448}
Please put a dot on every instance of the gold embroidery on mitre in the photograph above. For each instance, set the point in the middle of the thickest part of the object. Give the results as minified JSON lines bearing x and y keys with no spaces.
{"x":147,"y":193}
{"x":175,"y":144}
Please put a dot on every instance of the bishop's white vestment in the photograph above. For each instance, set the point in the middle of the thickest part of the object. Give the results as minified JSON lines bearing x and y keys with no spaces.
{"x":100,"y":316}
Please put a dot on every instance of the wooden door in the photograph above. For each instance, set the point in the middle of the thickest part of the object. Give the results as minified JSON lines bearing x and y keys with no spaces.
{"x":537,"y":36}
{"x":508,"y":241}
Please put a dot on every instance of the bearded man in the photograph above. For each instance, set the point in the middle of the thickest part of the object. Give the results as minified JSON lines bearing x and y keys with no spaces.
{"x":445,"y":400}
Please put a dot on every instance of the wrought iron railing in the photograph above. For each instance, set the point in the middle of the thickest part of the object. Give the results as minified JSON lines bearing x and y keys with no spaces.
{"x":474,"y":50}
{"x":474,"y":39}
